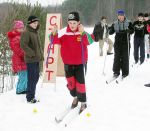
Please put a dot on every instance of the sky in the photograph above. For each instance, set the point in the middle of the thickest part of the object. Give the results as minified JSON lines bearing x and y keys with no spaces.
{"x":42,"y":2}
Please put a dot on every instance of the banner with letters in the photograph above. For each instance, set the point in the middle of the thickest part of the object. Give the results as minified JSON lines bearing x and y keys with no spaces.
{"x":53,"y":65}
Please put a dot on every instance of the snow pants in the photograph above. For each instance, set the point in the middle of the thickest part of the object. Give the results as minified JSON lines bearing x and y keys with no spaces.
{"x":76,"y":81}
{"x":22,"y":82}
{"x":121,"y":58}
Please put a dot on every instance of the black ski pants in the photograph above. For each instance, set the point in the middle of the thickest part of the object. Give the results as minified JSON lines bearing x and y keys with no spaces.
{"x":139,"y":45}
{"x":75,"y":77}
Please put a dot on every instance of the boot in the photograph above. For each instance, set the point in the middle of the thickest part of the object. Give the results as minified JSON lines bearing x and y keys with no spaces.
{"x":115,"y":75}
{"x":32,"y":101}
{"x":109,"y":53}
{"x":147,"y":85}
{"x":83,"y":107}
{"x":147,"y":56}
{"x":74,"y":103}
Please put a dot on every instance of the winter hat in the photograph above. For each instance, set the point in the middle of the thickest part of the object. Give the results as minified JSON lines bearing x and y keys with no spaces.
{"x":32,"y":19}
{"x":120,"y":12}
{"x":103,"y":17}
{"x":18,"y":24}
{"x":73,"y":16}
{"x":146,"y":15}
{"x":140,"y":14}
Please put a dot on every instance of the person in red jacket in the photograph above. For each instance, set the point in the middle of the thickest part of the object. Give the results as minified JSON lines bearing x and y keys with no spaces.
{"x":148,"y":28}
{"x":18,"y":63}
{"x":74,"y":41}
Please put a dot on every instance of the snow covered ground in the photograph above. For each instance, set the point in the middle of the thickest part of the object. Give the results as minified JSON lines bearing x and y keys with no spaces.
{"x":113,"y":107}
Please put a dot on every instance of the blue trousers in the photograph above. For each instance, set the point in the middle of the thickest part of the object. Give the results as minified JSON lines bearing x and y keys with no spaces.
{"x":22,"y":82}
{"x":33,"y":77}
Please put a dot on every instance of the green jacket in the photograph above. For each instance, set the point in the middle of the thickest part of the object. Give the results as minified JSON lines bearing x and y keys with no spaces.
{"x":30,"y":43}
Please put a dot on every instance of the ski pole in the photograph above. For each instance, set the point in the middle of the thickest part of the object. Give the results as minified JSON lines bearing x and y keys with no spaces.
{"x":128,"y":46}
{"x":51,"y":38}
{"x":103,"y":72}
{"x":50,"y":44}
{"x":83,"y":59}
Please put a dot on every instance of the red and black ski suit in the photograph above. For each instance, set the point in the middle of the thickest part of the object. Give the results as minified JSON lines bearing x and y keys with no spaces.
{"x":74,"y":54}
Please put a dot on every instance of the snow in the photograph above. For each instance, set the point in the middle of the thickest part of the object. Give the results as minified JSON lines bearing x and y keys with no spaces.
{"x":113,"y":107}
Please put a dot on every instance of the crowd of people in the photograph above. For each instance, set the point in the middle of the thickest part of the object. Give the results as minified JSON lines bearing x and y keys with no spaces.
{"x":123,"y":28}
{"x":27,"y":52}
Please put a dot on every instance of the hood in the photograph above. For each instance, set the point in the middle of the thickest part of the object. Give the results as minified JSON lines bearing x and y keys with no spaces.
{"x":13,"y":33}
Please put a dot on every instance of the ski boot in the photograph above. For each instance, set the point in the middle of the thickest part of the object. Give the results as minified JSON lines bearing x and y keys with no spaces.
{"x":74,"y":103}
{"x":83,"y":107}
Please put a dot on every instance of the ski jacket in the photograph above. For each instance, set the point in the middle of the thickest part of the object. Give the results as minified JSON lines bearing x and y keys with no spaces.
{"x":73,"y":46}
{"x":139,"y":28}
{"x":18,"y":63}
{"x":148,"y":28}
{"x":121,"y":29}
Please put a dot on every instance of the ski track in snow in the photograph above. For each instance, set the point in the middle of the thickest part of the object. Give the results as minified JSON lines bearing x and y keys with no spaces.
{"x":113,"y":107}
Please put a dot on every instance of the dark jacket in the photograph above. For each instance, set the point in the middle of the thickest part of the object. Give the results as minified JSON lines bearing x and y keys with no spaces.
{"x":99,"y":31}
{"x":139,"y":28}
{"x":30,"y":43}
{"x":121,"y":34}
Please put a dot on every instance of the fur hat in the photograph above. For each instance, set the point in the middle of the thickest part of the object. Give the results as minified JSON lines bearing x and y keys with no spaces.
{"x":18,"y":24}
{"x":32,"y":19}
{"x":120,"y":12}
{"x":73,"y":16}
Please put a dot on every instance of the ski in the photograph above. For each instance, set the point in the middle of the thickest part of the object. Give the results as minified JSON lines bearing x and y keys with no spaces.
{"x":59,"y":118}
{"x":136,"y":65}
{"x":120,"y":79}
{"x":68,"y":116}
{"x":73,"y":116}
{"x":111,"y":79}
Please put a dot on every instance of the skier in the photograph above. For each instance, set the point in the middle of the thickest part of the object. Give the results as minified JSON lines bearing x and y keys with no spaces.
{"x":30,"y":43}
{"x":101,"y":31}
{"x":146,"y":22}
{"x":123,"y":28}
{"x":74,"y":41}
{"x":18,"y":63}
{"x":139,"y":28}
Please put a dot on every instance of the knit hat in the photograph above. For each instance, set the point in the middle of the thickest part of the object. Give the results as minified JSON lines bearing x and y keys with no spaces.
{"x":140,"y":14}
{"x":120,"y":12}
{"x":18,"y":24}
{"x":32,"y":19}
{"x":146,"y":15}
{"x":73,"y":16}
